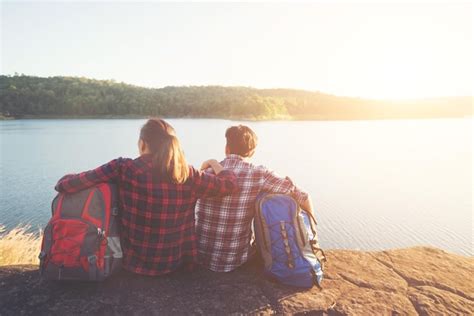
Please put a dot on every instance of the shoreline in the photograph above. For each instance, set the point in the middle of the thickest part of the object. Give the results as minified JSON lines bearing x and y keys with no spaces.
{"x":242,"y":119}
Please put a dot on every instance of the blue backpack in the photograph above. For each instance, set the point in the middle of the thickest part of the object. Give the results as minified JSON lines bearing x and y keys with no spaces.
{"x":287,"y":241}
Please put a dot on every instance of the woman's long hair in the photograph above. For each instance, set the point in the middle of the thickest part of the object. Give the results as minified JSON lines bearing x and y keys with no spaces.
{"x":168,"y":157}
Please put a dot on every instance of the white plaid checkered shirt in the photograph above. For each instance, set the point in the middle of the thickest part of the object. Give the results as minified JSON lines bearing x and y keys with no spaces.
{"x":223,"y":225}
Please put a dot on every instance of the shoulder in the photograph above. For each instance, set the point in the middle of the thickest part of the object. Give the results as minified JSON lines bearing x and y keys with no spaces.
{"x":261,"y":169}
{"x":232,"y":163}
{"x":116,"y":163}
{"x":125,"y":160}
{"x":241,"y":165}
{"x":247,"y":170}
{"x":123,"y":163}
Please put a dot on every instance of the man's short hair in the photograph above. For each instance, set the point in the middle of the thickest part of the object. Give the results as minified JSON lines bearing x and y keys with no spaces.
{"x":241,"y":140}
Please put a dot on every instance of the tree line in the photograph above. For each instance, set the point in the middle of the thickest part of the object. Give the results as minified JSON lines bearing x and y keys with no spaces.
{"x":29,"y":96}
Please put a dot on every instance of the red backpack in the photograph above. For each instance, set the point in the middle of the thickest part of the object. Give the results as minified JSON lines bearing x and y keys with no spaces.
{"x":81,"y":240}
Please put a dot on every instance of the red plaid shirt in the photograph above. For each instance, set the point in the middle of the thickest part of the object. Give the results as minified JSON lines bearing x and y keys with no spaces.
{"x":158,"y":234}
{"x":223,"y":225}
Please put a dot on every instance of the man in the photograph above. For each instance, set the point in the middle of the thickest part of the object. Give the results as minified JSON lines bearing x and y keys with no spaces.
{"x":223,"y":225}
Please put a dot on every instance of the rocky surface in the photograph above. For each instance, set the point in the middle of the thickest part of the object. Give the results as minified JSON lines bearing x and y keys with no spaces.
{"x":420,"y":280}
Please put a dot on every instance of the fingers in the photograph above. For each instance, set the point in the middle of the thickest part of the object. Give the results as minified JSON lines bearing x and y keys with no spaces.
{"x":205,"y":165}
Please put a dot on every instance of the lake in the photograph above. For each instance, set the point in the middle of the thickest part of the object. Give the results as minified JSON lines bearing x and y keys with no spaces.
{"x":375,"y":184}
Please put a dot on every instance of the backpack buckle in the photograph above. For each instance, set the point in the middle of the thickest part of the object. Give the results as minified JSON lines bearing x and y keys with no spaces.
{"x":92,"y":259}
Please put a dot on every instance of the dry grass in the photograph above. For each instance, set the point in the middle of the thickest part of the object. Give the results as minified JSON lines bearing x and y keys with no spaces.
{"x":18,"y":246}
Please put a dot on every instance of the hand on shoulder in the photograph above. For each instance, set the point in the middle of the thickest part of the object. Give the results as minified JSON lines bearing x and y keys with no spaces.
{"x":212,"y":163}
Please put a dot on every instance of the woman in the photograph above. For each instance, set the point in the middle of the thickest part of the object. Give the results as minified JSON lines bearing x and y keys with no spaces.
{"x":158,"y":192}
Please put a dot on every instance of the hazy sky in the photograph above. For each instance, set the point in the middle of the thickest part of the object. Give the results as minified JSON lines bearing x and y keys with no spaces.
{"x":369,"y":50}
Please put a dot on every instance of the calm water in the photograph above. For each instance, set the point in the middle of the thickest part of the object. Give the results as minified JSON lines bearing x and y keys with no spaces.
{"x":375,"y":184}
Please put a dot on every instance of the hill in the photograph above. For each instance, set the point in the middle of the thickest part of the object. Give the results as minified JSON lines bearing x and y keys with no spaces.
{"x":27,"y":96}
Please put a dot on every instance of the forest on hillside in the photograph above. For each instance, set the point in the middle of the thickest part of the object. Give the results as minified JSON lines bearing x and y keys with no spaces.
{"x":28,"y":96}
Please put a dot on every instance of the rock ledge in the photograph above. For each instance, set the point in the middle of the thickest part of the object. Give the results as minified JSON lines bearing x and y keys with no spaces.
{"x":412,"y":281}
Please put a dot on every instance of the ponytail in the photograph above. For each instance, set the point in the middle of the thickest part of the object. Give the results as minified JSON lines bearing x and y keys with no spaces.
{"x":167,"y":156}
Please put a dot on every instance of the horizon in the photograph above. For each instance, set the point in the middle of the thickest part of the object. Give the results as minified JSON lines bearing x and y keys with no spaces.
{"x":368,"y":51}
{"x":249,"y":87}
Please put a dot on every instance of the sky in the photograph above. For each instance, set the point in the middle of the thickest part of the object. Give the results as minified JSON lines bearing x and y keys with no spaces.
{"x":384,"y":50}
